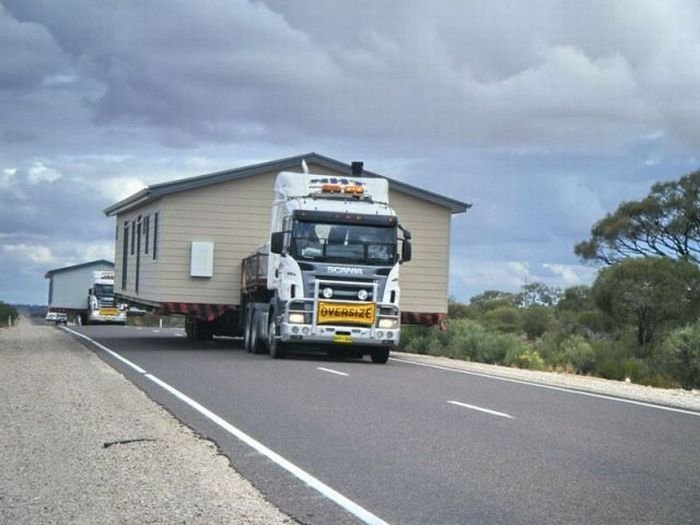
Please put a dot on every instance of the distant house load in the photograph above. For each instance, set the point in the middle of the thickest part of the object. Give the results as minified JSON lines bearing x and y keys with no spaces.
{"x":180,"y":245}
{"x":86,"y":293}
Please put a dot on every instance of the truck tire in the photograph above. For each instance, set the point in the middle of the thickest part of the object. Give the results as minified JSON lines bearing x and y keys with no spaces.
{"x":257,"y":344}
{"x":247,"y":330}
{"x":277,"y":347}
{"x":380,"y":355}
{"x":203,"y":330}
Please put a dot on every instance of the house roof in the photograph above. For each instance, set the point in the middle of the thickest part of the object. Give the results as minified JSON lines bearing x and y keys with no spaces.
{"x":51,"y":273}
{"x":156,"y":191}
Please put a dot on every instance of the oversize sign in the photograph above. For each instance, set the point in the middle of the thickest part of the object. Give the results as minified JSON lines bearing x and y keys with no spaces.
{"x":345,"y":313}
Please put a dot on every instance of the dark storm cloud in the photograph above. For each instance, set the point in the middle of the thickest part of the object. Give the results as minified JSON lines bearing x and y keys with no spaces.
{"x":449,"y":75}
{"x":544,"y":115}
{"x":34,"y":54}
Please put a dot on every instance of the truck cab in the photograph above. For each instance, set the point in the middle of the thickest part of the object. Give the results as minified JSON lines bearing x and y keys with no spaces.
{"x":333,"y":263}
{"x":101,"y":302}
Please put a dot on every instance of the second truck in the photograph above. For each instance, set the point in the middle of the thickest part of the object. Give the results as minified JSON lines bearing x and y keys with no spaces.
{"x":328,"y":278}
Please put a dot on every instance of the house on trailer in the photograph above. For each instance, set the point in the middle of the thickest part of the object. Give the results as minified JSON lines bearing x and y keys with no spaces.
{"x":68,"y":286}
{"x":179,"y":245}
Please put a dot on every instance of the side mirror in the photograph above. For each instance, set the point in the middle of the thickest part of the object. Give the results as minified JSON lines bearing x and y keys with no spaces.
{"x":406,"y":251}
{"x":89,"y":291}
{"x":277,"y":242}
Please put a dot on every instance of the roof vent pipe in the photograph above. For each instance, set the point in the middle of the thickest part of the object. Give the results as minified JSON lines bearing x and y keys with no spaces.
{"x":357,"y":168}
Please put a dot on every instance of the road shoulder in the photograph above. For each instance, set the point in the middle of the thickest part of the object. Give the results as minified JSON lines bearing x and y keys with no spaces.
{"x":678,"y":398}
{"x":79,"y":443}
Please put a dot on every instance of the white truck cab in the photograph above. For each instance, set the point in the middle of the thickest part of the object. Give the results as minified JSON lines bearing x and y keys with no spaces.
{"x":332,"y":268}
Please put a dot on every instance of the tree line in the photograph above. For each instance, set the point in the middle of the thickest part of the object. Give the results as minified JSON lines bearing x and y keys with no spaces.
{"x":7,"y":313}
{"x":638,"y":321}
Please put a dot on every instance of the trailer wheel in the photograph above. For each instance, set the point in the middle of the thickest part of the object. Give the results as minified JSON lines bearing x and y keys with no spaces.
{"x":277,"y":347}
{"x":204,"y":330}
{"x":189,"y":328}
{"x":380,"y":355}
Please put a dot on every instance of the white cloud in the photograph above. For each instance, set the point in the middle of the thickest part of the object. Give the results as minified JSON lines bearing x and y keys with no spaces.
{"x":118,"y":188}
{"x":39,"y":173}
{"x":28,"y":253}
{"x":568,"y":275}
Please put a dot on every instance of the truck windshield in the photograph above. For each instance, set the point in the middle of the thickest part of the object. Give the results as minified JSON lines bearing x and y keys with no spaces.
{"x":104,"y":290}
{"x":316,"y":241}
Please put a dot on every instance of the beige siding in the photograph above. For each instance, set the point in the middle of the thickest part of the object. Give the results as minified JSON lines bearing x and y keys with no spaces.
{"x":235,"y":216}
{"x":424,"y":280}
{"x":148,"y":267}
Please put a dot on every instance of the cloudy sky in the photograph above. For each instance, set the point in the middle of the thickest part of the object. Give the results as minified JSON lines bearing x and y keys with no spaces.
{"x":544,"y":115}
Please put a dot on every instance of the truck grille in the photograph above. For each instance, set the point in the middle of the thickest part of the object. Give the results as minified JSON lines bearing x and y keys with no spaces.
{"x":346,"y":290}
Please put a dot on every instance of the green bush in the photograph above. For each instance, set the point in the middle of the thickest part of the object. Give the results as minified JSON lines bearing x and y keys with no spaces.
{"x":579,"y":354}
{"x":504,"y":319}
{"x":7,"y":312}
{"x":536,"y":320}
{"x":525,"y":358}
{"x":464,"y":339}
{"x":680,"y":356}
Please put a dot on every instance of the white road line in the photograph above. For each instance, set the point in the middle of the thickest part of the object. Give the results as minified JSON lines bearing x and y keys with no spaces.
{"x":313,"y":482}
{"x":156,"y":331}
{"x":473,"y":407}
{"x":331,"y":371}
{"x":179,"y":335}
{"x":110,"y":352}
{"x":550,"y":387}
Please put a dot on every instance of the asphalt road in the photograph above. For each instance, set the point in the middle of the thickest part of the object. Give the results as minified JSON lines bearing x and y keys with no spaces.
{"x":412,"y":444}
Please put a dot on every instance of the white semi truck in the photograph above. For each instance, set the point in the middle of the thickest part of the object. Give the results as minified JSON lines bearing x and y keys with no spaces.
{"x":328,"y":278}
{"x":101,"y":303}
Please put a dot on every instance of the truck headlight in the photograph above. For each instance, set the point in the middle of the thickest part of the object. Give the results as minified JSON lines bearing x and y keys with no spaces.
{"x":362,"y":295}
{"x":327,"y":293}
{"x":388,"y":323}
{"x":296,"y":318}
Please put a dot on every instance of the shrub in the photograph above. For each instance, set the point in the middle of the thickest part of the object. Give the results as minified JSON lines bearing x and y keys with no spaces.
{"x":464,"y":339}
{"x":536,"y":320}
{"x":525,"y":358}
{"x":680,"y":356}
{"x":7,"y":312}
{"x":579,"y":354}
{"x":504,"y":319}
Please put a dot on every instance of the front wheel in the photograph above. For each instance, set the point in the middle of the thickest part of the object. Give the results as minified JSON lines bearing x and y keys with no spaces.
{"x":380,"y":355}
{"x":277,"y":350}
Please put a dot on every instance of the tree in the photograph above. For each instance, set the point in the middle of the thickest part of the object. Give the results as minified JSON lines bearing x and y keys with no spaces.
{"x":537,"y":294}
{"x":666,"y":223}
{"x":491,"y":299}
{"x":649,"y":294}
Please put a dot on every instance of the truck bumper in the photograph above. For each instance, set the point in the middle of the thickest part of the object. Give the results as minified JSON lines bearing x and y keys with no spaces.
{"x":339,"y":335}
{"x":99,"y":318}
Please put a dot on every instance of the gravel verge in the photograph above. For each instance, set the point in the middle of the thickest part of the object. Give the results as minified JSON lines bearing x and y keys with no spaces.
{"x":80,"y":444}
{"x":678,"y":398}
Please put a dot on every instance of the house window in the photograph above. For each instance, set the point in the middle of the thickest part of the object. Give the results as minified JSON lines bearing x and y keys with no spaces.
{"x":133,"y":236}
{"x":125,"y":254}
{"x":146,"y":232}
{"x":155,"y":235}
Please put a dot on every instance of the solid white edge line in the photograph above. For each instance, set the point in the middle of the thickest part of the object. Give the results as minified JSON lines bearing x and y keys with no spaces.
{"x":550,"y":387}
{"x":480,"y":409}
{"x":316,"y":484}
{"x":290,"y":467}
{"x":110,"y":352}
{"x":330,"y":371}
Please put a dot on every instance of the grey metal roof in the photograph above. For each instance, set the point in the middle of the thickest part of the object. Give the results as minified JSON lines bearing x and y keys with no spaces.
{"x":157,"y":191}
{"x":50,"y":273}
